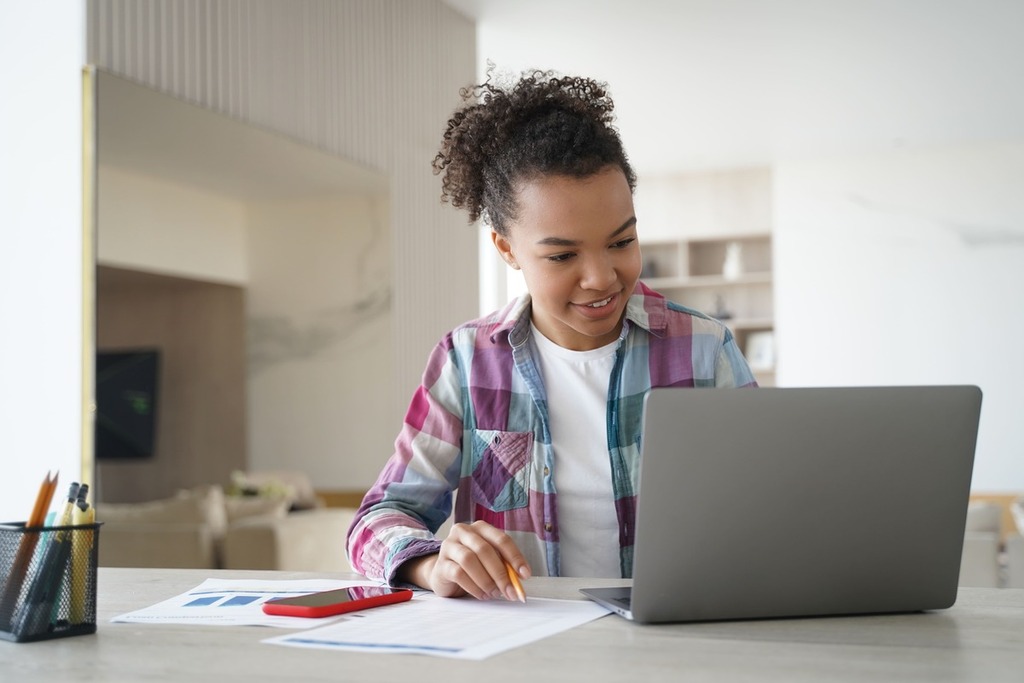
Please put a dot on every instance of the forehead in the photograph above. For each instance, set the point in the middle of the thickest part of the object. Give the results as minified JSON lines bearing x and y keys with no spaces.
{"x":554,"y":205}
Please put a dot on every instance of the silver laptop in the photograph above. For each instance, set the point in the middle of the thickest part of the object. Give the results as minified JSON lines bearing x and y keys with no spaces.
{"x":785,"y":502}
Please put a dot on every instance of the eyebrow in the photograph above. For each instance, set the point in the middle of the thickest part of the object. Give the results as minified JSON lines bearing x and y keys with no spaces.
{"x":562,"y":242}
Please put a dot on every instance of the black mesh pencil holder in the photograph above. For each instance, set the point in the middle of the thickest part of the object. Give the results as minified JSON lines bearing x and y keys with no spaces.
{"x":47,"y":581}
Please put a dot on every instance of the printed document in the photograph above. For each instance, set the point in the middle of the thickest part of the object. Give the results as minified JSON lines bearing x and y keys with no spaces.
{"x":227,"y":602}
{"x":462,"y":628}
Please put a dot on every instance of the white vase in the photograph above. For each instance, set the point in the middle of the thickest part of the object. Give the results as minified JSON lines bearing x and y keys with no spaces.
{"x":732,"y":268}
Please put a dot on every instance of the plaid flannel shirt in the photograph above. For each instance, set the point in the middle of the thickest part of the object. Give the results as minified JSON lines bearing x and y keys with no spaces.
{"x":477,"y":432}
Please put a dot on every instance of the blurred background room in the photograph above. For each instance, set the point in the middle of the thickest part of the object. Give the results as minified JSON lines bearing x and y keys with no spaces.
{"x":240,"y":195}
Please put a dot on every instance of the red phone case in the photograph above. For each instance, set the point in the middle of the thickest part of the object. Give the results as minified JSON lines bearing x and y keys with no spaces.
{"x":281,"y":608}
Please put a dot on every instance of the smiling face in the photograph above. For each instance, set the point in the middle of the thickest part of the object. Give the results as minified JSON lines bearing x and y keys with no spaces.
{"x":575,"y":241}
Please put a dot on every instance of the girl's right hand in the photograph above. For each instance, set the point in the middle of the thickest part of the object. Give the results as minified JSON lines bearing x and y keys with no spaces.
{"x":471,"y":561}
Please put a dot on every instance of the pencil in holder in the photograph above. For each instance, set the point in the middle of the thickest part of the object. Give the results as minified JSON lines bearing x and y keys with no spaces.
{"x":47,"y":581}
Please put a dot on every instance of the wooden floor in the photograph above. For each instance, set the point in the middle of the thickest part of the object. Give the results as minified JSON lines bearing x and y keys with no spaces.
{"x":1003,"y":500}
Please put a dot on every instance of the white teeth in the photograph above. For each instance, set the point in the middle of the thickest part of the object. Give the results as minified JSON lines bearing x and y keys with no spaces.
{"x":599,"y":304}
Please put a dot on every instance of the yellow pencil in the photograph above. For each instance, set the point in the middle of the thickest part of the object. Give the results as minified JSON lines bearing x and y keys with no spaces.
{"x":514,"y":578}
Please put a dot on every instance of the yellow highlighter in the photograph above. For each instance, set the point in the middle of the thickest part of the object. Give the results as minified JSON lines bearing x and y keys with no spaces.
{"x":81,"y":555}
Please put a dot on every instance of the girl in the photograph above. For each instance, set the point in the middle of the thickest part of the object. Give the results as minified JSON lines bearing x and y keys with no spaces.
{"x":528,"y":421}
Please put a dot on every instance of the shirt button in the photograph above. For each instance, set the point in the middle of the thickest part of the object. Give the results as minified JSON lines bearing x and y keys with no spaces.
{"x":497,"y":440}
{"x":547,"y":526}
{"x":546,"y":470}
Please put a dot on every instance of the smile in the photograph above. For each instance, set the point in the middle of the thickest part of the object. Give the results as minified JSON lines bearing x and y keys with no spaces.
{"x":598,"y":310}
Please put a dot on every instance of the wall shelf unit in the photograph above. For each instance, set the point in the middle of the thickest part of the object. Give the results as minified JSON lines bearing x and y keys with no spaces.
{"x":726,"y":276}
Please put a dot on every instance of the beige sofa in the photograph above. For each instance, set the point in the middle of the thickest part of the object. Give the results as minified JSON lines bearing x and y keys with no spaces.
{"x":992,"y":555}
{"x":980,"y":561}
{"x":304,"y":540}
{"x":205,"y":528}
{"x":1015,"y":547}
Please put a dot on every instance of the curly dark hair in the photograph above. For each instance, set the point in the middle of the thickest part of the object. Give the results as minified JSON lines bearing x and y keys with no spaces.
{"x":502,"y":137}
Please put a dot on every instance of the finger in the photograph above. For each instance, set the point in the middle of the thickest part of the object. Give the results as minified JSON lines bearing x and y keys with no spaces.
{"x":506,"y":547}
{"x":478,"y":566}
{"x":447,"y":581}
{"x":487,"y":567}
{"x":423,"y":572}
{"x":500,"y":557}
{"x":460,"y":566}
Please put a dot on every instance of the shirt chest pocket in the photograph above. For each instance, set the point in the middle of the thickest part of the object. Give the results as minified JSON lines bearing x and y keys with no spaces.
{"x":501,"y":468}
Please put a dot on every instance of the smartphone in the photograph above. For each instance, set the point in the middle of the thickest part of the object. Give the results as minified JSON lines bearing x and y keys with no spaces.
{"x":329,"y":603}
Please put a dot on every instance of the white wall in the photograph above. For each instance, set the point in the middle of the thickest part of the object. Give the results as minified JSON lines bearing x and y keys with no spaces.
{"x":704,"y":203}
{"x":319,"y":336}
{"x":371,"y":81}
{"x":154,"y":225}
{"x":907,"y":268}
{"x":42,"y":51}
{"x":318,"y":287}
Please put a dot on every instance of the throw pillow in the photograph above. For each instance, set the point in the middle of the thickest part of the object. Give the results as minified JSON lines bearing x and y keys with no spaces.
{"x":240,"y":507}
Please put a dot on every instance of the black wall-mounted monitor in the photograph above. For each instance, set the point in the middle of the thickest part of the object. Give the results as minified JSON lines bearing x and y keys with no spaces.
{"x":127,"y":386}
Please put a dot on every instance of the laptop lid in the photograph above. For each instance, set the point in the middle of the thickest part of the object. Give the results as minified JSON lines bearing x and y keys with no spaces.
{"x":779,"y":502}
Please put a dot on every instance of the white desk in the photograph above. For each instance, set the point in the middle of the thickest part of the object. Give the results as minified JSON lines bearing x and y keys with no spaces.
{"x":980,"y":639}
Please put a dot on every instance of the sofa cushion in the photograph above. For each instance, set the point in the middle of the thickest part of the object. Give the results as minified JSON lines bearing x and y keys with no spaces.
{"x":240,"y":507}
{"x":307,"y":540}
{"x":202,"y":505}
{"x":165,"y":544}
{"x":983,"y":517}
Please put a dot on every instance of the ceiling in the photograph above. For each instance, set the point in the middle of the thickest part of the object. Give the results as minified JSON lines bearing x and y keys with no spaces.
{"x":729,"y":83}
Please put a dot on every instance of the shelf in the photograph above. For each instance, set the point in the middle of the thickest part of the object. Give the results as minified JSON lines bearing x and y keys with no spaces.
{"x":744,"y":324}
{"x":717,"y":258}
{"x":695,"y":281}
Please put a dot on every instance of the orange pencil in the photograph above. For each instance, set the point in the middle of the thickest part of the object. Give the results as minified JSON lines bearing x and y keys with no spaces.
{"x":514,"y":578}
{"x":43,"y":499}
{"x":12,"y":586}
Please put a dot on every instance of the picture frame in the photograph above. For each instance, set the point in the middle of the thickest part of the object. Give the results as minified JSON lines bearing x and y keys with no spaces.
{"x":760,"y":350}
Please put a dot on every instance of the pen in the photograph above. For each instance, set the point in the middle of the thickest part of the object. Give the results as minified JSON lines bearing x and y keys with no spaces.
{"x":514,"y":578}
{"x":41,"y":600}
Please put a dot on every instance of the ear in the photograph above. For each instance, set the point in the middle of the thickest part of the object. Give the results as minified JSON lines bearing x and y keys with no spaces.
{"x":504,"y":248}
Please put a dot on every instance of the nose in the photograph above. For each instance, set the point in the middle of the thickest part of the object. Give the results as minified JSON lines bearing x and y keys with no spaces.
{"x":598,"y":273}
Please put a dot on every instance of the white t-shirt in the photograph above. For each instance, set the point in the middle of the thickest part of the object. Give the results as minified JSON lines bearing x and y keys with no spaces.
{"x":576,"y":383}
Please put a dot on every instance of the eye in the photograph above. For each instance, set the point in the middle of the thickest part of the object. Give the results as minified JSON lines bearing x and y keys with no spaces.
{"x":560,"y":258}
{"x":622,"y":244}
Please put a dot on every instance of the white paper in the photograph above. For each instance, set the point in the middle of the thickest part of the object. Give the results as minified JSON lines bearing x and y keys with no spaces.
{"x":462,"y":628}
{"x":227,"y":602}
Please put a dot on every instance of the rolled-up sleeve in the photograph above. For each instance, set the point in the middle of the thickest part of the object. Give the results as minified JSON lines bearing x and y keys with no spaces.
{"x":412,"y":497}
